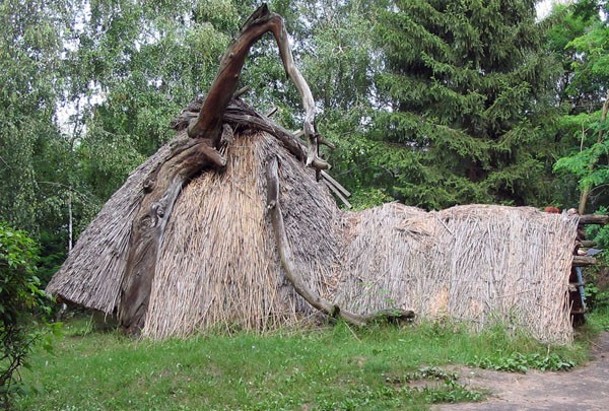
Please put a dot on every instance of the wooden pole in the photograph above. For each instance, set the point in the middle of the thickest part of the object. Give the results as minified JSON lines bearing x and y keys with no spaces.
{"x":593,"y":219}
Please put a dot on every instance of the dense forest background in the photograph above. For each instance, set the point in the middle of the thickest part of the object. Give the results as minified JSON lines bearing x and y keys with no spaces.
{"x":430,"y":103}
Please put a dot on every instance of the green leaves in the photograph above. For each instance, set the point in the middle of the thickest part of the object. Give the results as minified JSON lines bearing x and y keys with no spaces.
{"x":582,"y":38}
{"x":19,"y":295}
{"x":517,"y":362}
{"x":466,"y":87}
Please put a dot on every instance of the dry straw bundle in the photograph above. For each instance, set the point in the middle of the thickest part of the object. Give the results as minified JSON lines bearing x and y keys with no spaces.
{"x":218,"y":264}
{"x":480,"y":264}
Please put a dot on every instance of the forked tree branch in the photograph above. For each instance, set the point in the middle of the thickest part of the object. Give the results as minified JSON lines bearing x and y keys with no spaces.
{"x":208,"y":124}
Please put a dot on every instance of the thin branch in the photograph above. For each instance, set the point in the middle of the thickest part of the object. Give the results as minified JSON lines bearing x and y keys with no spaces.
{"x":271,"y":112}
{"x":242,"y":91}
{"x":293,"y":273}
{"x":335,"y":183}
{"x":338,"y":194}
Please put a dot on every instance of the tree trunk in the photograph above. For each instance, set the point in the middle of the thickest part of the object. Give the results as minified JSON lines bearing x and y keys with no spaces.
{"x":209,"y":131}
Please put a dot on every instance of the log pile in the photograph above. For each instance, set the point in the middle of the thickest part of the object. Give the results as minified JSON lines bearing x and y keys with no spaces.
{"x":581,"y":258}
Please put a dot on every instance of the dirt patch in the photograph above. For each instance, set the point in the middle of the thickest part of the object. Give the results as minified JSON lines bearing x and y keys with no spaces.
{"x":585,"y":388}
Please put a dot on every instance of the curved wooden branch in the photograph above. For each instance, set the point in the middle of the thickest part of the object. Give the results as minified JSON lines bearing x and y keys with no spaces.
{"x":239,"y":114}
{"x":163,"y":187}
{"x":208,"y":132}
{"x":224,"y":86}
{"x":293,"y":274}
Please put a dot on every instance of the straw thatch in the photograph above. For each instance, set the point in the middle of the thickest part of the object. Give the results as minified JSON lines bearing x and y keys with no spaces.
{"x":92,"y":274}
{"x":218,"y":264}
{"x":480,"y":264}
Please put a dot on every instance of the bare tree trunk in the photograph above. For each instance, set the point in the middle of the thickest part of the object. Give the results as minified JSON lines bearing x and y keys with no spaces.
{"x":164,"y":185}
{"x":70,"y":221}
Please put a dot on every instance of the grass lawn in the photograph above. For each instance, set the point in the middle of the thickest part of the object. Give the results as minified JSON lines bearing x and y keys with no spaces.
{"x":332,"y":368}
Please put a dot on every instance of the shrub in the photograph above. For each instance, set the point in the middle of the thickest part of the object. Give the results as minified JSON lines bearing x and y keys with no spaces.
{"x":20,"y":296}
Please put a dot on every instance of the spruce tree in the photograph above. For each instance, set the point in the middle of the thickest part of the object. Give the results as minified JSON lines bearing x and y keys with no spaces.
{"x":464,"y":93}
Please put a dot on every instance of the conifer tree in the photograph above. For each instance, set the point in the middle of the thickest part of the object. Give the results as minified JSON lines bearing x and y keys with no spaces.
{"x":463,"y":96}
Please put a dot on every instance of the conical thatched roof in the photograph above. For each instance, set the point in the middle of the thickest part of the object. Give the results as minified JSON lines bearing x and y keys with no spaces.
{"x":219,"y":265}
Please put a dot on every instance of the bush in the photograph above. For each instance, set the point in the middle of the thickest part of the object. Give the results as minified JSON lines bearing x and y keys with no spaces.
{"x":20,"y":296}
{"x":597,"y":277}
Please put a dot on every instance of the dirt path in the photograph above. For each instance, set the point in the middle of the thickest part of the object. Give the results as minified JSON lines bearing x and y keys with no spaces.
{"x":585,"y":388}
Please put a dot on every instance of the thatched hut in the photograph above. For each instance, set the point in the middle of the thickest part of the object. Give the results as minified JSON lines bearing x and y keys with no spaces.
{"x":219,"y":263}
{"x":258,"y":241}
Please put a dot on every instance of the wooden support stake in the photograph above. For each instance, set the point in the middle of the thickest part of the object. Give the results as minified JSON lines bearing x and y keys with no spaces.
{"x":338,"y":194}
{"x":335,"y":183}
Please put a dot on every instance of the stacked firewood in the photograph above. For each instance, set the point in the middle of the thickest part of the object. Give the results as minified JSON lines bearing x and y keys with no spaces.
{"x":583,"y":256}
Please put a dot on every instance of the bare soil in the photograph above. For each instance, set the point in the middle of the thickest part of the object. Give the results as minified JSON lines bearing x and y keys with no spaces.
{"x":584,"y":388}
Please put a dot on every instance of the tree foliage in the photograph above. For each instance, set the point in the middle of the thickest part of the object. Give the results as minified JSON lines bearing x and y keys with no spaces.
{"x":581,"y":37}
{"x":19,"y":295}
{"x":428,"y":102}
{"x":465,"y":92}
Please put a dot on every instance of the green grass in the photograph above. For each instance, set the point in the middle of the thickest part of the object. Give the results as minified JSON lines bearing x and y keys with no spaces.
{"x":598,"y":320}
{"x":333,"y":368}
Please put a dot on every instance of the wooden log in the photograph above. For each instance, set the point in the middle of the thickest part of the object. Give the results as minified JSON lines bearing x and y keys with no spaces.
{"x":594,"y":219}
{"x":587,"y":243}
{"x":223,"y":88}
{"x":583,"y":261}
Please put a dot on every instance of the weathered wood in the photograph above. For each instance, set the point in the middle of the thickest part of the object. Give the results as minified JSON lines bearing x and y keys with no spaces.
{"x":163,"y":188}
{"x":225,"y":83}
{"x":335,"y":183}
{"x":239,"y":114}
{"x":242,"y":91}
{"x":338,"y":194}
{"x":293,"y":272}
{"x":587,"y":243}
{"x":295,"y":147}
{"x":271,"y":112}
{"x":593,"y":219}
{"x":583,"y":261}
